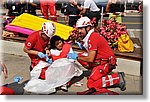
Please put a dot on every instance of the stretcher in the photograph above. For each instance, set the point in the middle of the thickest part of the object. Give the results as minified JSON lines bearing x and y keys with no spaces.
{"x":34,"y":23}
{"x":19,"y":29}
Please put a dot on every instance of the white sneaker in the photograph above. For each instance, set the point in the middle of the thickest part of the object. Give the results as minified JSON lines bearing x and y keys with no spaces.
{"x":64,"y":88}
{"x":78,"y":84}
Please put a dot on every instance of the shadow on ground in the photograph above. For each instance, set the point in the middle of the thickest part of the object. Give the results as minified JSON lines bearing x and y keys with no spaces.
{"x":18,"y":88}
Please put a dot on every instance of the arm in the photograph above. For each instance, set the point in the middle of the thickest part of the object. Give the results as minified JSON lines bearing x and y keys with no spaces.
{"x":75,"y":4}
{"x":79,"y":7}
{"x":86,"y":6}
{"x":66,"y":19}
{"x":29,"y":51}
{"x":34,"y":52}
{"x":29,"y":45}
{"x":90,"y":57}
{"x":4,"y":69}
{"x":83,"y":11}
{"x":7,"y":10}
{"x":33,"y":4}
{"x":48,"y":52}
{"x":108,"y":5}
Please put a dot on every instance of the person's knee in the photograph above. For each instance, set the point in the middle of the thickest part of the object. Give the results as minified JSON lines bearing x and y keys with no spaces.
{"x":90,"y":83}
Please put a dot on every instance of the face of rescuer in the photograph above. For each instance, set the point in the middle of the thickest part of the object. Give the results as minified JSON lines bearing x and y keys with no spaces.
{"x":84,"y":30}
{"x":44,"y":36}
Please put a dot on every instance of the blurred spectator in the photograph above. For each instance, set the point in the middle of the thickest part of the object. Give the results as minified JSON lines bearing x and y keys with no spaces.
{"x":3,"y":69}
{"x":29,"y":6}
{"x":4,"y":90}
{"x":72,"y":13}
{"x":140,"y":7}
{"x":13,"y":8}
{"x":89,"y":9}
{"x":115,"y":6}
{"x":3,"y":3}
{"x":46,"y":5}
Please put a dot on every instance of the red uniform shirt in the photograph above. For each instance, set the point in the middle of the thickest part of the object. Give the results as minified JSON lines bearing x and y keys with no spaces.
{"x":63,"y":54}
{"x":35,"y":42}
{"x":99,"y":43}
{"x":47,"y":2}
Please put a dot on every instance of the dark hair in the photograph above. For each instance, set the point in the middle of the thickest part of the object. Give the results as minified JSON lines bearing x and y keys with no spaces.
{"x":53,"y":41}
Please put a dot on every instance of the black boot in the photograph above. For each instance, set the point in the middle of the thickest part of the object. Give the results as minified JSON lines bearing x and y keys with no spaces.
{"x":122,"y":83}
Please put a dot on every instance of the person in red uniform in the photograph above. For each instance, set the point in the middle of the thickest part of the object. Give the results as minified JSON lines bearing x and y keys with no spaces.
{"x":46,"y":5}
{"x":36,"y":43}
{"x":100,"y":59}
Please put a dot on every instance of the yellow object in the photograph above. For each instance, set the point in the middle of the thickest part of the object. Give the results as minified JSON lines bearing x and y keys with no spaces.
{"x":125,"y":44}
{"x":118,"y":17}
{"x":35,"y":23}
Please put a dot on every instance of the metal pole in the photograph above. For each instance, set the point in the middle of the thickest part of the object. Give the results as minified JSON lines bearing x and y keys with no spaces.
{"x":125,"y":7}
{"x":102,"y":16}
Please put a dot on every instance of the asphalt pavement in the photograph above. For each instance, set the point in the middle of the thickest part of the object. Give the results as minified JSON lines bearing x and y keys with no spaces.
{"x":18,"y":65}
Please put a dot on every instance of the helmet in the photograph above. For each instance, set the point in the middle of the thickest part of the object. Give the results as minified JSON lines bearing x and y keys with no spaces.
{"x":83,"y":22}
{"x":48,"y":28}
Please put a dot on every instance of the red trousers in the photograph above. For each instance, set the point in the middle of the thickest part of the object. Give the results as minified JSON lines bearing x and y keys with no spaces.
{"x":46,"y":5}
{"x":6,"y":91}
{"x":100,"y":77}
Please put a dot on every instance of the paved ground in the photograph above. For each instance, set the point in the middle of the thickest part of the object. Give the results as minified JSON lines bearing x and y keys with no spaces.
{"x":19,"y":65}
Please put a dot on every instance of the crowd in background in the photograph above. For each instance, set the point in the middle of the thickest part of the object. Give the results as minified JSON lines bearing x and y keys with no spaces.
{"x":72,"y":9}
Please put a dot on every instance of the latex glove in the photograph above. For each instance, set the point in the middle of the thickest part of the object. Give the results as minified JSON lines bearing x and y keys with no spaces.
{"x":41,"y":54}
{"x":48,"y":59}
{"x":17,"y":79}
{"x":73,"y":55}
{"x":80,"y":45}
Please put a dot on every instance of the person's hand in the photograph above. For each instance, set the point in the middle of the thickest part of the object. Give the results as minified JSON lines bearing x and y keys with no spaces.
{"x":80,"y":45}
{"x":41,"y":54}
{"x":48,"y":59}
{"x":74,"y":3}
{"x":73,"y":55}
{"x":48,"y":52}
